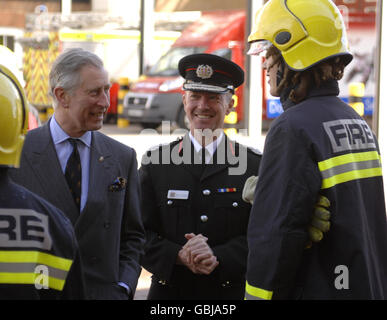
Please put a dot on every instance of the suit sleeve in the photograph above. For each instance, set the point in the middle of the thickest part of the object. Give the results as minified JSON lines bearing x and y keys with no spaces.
{"x":232,"y":257}
{"x":132,"y":233}
{"x":160,"y":253}
{"x":74,"y":288}
{"x":287,"y":189}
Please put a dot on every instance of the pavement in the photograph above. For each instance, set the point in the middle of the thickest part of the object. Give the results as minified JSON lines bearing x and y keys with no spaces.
{"x":143,"y":285}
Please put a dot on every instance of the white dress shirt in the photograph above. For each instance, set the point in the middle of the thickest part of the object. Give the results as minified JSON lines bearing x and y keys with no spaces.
{"x":210,"y":148}
{"x":64,"y":149}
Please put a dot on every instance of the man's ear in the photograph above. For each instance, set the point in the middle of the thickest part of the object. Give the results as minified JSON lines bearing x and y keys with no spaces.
{"x":61,"y":96}
{"x":230,"y":105}
{"x":184,"y":97}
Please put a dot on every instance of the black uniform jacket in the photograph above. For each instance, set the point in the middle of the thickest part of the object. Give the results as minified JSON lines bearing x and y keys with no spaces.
{"x":39,"y":256}
{"x":203,"y":199}
{"x":320,"y":145}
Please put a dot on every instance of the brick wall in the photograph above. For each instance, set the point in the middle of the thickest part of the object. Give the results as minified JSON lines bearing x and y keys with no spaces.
{"x":12,"y":12}
{"x":198,"y":5}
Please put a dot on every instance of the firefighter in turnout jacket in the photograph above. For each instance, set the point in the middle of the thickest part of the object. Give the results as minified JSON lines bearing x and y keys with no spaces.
{"x":39,"y":256}
{"x":318,"y":145}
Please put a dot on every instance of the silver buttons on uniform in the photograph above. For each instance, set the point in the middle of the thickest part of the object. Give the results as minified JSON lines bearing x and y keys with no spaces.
{"x":162,"y":282}
{"x":169,"y":202}
{"x":235,"y":204}
{"x":204,"y":218}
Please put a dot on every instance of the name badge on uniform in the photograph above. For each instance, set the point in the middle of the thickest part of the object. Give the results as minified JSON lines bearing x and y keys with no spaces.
{"x":178,"y":194}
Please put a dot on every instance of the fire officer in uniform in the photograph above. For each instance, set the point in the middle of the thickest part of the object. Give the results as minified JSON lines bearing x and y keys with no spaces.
{"x":193,"y":212}
{"x":39,"y":257}
{"x":318,"y":145}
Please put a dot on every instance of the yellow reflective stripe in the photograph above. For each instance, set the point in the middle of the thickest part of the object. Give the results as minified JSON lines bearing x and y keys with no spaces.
{"x":347,"y":158}
{"x":348,"y":167}
{"x":258,"y":292}
{"x":36,"y":257}
{"x":28,"y":259}
{"x":30,"y":278}
{"x":349,"y":176}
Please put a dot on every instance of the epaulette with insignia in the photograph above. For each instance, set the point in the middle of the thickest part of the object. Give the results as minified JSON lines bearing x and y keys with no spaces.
{"x":175,"y":142}
{"x":250,"y":149}
{"x":160,"y":146}
{"x":155,"y":152}
{"x":157,"y":147}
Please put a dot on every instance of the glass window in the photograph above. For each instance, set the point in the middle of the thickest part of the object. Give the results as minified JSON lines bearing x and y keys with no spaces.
{"x":167,"y":64}
{"x":224,"y":53}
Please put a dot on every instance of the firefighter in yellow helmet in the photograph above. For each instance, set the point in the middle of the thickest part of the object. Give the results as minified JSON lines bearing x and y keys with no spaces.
{"x":319,"y":145}
{"x":39,"y":257}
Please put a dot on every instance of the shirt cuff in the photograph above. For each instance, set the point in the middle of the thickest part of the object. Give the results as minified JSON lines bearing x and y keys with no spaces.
{"x":126,"y":287}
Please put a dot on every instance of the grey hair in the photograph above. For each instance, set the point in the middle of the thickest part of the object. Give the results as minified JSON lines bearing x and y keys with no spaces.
{"x":65,"y":69}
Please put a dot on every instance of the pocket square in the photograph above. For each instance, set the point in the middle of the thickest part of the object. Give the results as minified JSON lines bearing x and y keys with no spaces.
{"x":118,"y":184}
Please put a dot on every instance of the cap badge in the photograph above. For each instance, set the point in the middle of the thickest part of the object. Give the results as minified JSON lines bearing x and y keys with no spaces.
{"x":204,"y":71}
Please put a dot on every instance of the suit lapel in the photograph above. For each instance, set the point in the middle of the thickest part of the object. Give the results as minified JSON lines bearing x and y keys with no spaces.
{"x":223,"y":158}
{"x":44,"y":160}
{"x":101,"y":175}
{"x":191,"y":159}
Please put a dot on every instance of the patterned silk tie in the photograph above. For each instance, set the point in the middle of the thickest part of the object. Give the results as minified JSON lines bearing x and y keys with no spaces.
{"x":73,"y":173}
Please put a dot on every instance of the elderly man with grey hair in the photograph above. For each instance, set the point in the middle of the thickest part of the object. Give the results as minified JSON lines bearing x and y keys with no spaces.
{"x":92,"y":178}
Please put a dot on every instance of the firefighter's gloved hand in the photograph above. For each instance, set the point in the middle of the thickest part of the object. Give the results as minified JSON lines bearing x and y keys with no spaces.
{"x":320,"y":223}
{"x":249,"y":189}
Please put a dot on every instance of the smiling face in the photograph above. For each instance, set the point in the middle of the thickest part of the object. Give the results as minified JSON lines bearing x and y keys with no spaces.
{"x":83,"y":108}
{"x":206,"y":110}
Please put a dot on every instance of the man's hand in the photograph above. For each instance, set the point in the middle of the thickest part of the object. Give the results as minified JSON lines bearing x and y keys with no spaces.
{"x":197,"y":255}
{"x":206,"y":266}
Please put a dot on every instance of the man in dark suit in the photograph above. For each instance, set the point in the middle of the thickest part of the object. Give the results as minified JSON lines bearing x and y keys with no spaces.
{"x":193,"y":212}
{"x":92,"y":178}
{"x":39,"y":253}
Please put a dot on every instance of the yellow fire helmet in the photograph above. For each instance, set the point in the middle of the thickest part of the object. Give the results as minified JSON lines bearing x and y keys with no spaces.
{"x":13,"y":112}
{"x":305,"y":31}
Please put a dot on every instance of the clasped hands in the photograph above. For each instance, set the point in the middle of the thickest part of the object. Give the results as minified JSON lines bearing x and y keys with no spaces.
{"x":196,"y":255}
